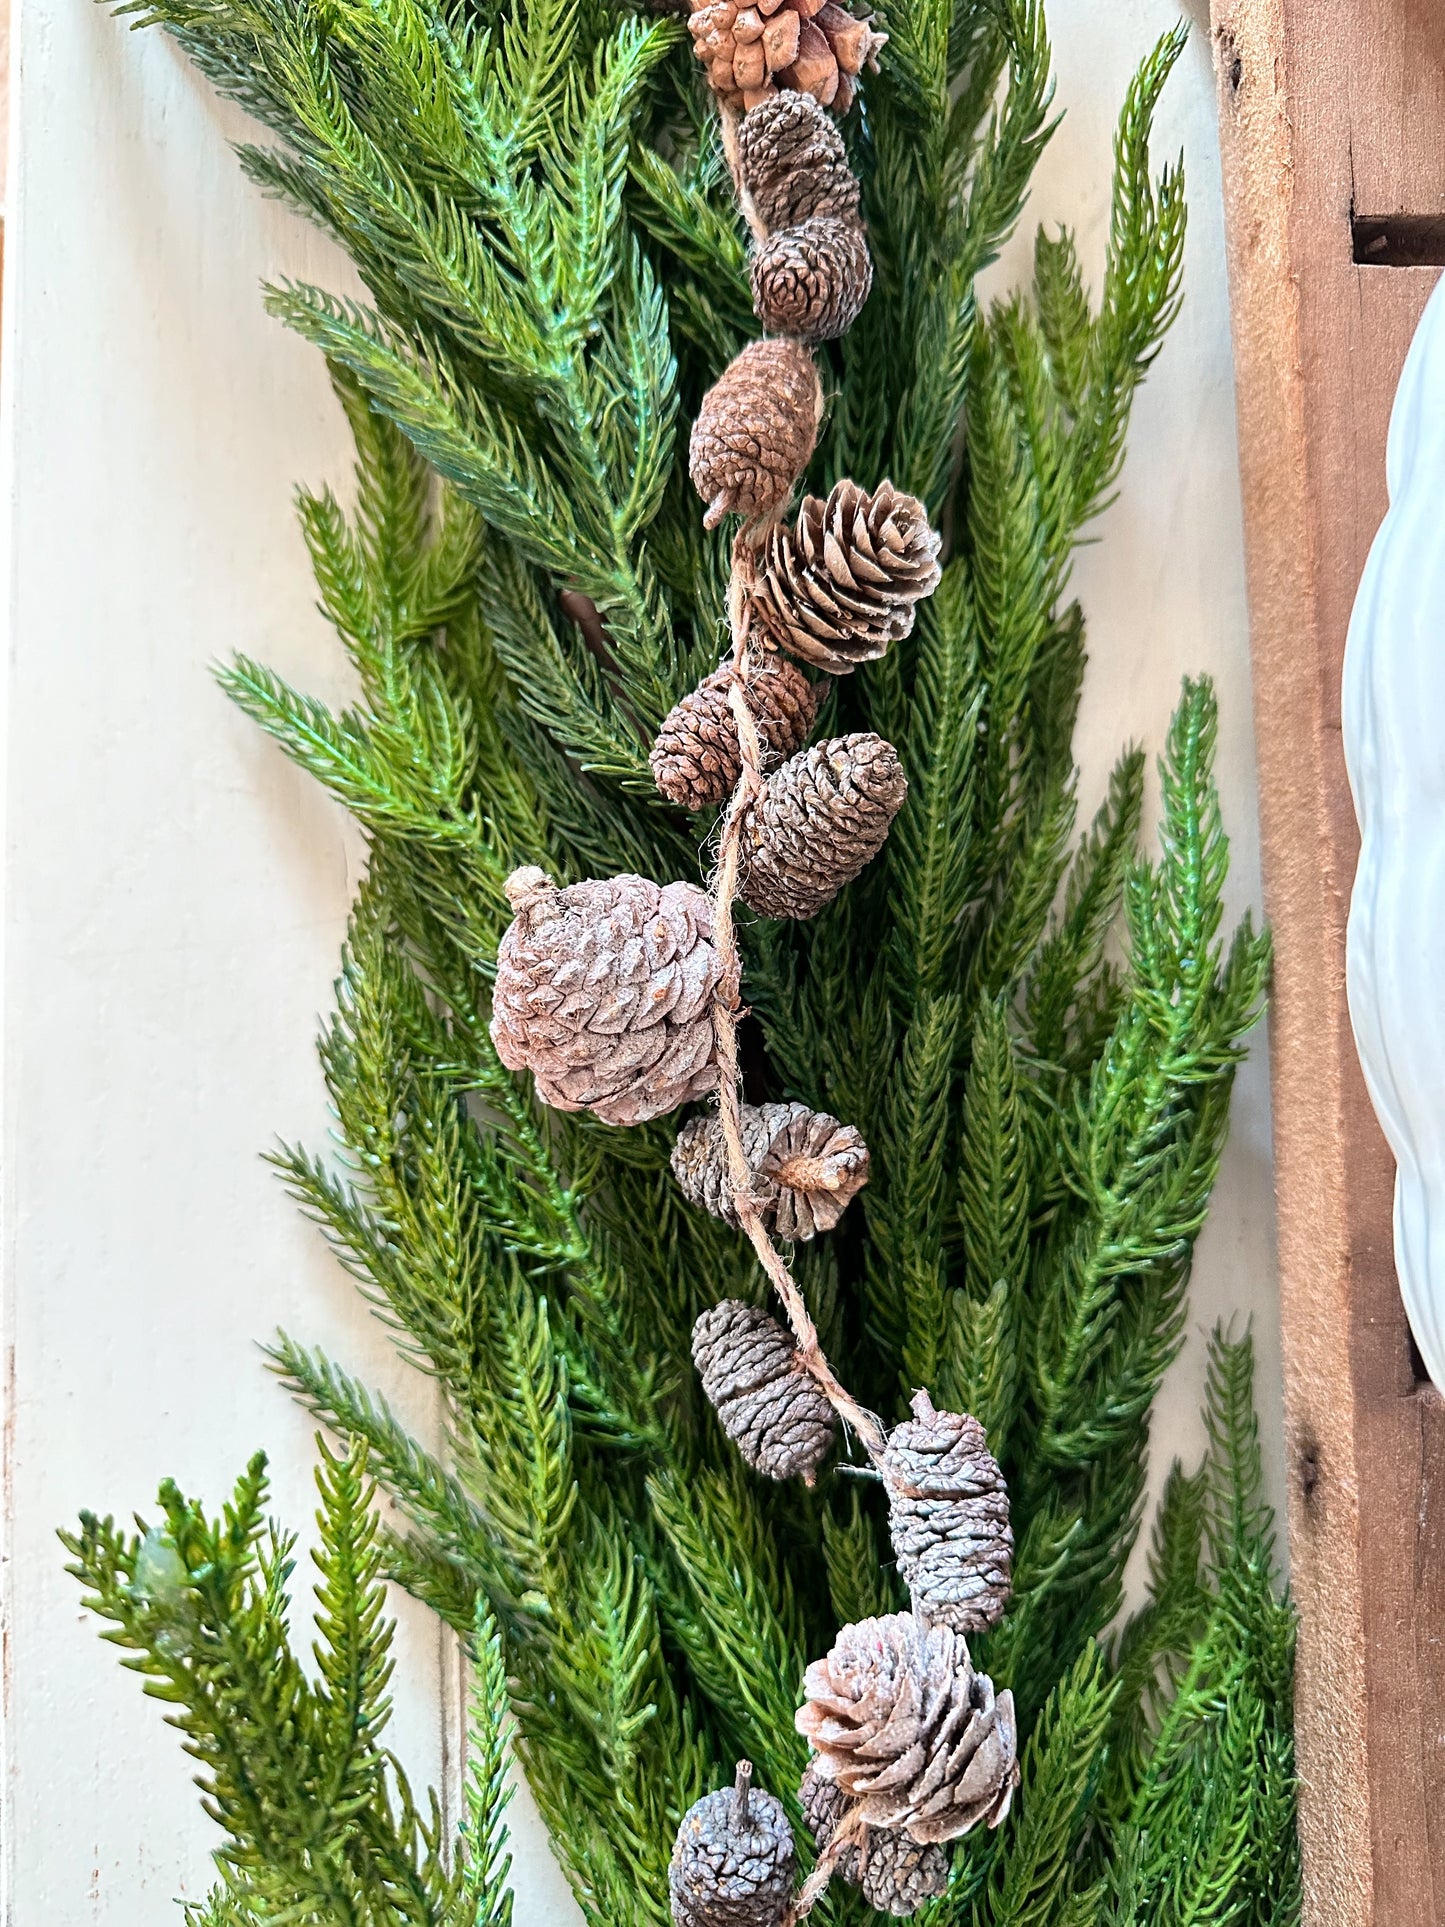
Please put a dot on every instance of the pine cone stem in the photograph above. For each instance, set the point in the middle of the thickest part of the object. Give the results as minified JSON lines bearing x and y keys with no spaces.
{"x":843,"y":1837}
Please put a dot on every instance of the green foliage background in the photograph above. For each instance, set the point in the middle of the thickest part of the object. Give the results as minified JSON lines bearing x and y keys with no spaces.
{"x":1036,"y":1032}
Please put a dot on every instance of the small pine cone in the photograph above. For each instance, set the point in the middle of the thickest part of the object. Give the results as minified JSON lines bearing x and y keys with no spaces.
{"x":733,"y":1859}
{"x":809,"y":46}
{"x":820,"y":820}
{"x":948,"y":1514}
{"x":695,"y":760}
{"x":901,"y":1723}
{"x":793,"y":164}
{"x":807,"y":1167}
{"x":896,"y":1874}
{"x":604,"y":992}
{"x":769,"y":1406}
{"x":755,"y":432}
{"x":812,"y":280}
{"x":844,"y":582}
{"x":824,"y":1806}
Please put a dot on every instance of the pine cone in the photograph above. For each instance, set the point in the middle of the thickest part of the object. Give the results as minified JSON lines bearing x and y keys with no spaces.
{"x":842,"y":584}
{"x":902,"y":1723}
{"x":812,"y":280}
{"x":755,"y":431}
{"x":793,"y":164}
{"x":807,"y":1167}
{"x":696,"y":761}
{"x":604,"y":992}
{"x":810,"y":46}
{"x":820,"y":820}
{"x":949,"y":1518}
{"x":896,"y":1874}
{"x":732,"y":1861}
{"x":768,"y":1405}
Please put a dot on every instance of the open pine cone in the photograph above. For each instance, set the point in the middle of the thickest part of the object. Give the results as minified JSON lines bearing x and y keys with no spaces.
{"x":896,"y":1874}
{"x":812,"y":280}
{"x":844,"y":582}
{"x":733,"y":1859}
{"x":769,"y":1406}
{"x":604,"y":992}
{"x":696,"y":761}
{"x":792,"y":163}
{"x":755,"y":432}
{"x":810,"y":46}
{"x":820,"y":820}
{"x":901,"y":1723}
{"x":807,"y":1167}
{"x":948,"y":1514}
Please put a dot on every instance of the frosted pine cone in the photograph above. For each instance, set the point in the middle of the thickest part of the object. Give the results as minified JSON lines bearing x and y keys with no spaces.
{"x":812,"y":280}
{"x":696,"y":761}
{"x":901,"y":1723}
{"x":820,"y":820}
{"x":755,"y":432}
{"x":896,"y":1874}
{"x":809,"y":46}
{"x":733,"y":1859}
{"x":604,"y":992}
{"x":949,"y":1518}
{"x":807,"y":1167}
{"x":769,"y":1406}
{"x":844,"y":582}
{"x":793,"y":163}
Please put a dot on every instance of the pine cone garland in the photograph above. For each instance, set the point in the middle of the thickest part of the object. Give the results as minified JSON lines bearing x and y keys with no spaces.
{"x":769,"y":1406}
{"x":901,"y":1723}
{"x":696,"y":761}
{"x":810,"y":46}
{"x":812,"y":280}
{"x":755,"y":432}
{"x":949,"y":1518}
{"x":896,"y":1874}
{"x":733,"y":1859}
{"x":820,"y":820}
{"x":844,"y":582}
{"x":793,"y":164}
{"x":807,"y":1167}
{"x":604,"y":992}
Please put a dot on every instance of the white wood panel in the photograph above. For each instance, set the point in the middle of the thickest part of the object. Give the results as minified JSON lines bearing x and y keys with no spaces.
{"x":174,"y":895}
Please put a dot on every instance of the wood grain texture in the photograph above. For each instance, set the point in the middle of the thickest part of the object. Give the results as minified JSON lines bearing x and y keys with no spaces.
{"x":1330,"y":107}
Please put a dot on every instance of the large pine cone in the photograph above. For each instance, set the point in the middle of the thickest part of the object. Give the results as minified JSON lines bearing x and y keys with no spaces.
{"x":733,"y":1859}
{"x":604,"y":992}
{"x":949,"y":1518}
{"x":755,"y":432}
{"x":769,"y":1406}
{"x":820,"y":820}
{"x":812,"y":280}
{"x":843,"y":583}
{"x":807,"y":1167}
{"x":696,"y":761}
{"x":793,"y":163}
{"x":896,"y":1874}
{"x":811,"y":46}
{"x":902,"y":1723}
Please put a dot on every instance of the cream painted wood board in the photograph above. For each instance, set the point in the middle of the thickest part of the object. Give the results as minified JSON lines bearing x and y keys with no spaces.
{"x":174,"y":895}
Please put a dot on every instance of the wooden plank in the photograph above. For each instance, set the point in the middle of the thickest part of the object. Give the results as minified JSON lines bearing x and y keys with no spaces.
{"x":1330,"y":108}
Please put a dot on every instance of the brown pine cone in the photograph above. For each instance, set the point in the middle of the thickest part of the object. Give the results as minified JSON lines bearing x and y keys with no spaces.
{"x":812,"y":280}
{"x":843,"y":583}
{"x":604,"y":992}
{"x":807,"y":1167}
{"x":820,"y":820}
{"x":808,"y":46}
{"x":733,"y":1859}
{"x":769,"y":1406}
{"x":793,"y":163}
{"x":901,"y":1723}
{"x":755,"y":432}
{"x":696,"y":761}
{"x":948,"y":1514}
{"x":896,"y":1874}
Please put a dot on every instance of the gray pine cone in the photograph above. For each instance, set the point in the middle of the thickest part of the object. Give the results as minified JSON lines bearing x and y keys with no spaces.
{"x":896,"y":1874}
{"x":793,"y":163}
{"x":604,"y":992}
{"x":812,"y":280}
{"x":755,"y":431}
{"x":696,"y":761}
{"x":948,"y":1513}
{"x":845,"y":581}
{"x":770,"y":1408}
{"x":901,"y":1723}
{"x":733,"y":1859}
{"x":820,"y":820}
{"x":807,"y":1167}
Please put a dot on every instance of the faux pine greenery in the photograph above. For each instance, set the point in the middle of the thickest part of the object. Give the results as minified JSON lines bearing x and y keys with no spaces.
{"x":1037,"y":1033}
